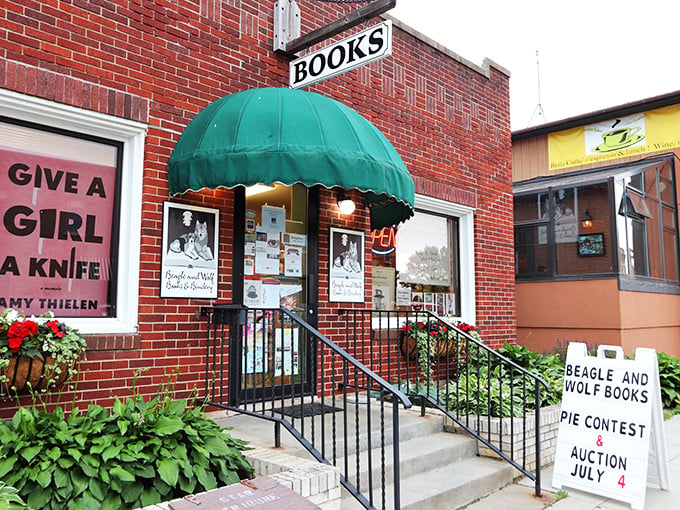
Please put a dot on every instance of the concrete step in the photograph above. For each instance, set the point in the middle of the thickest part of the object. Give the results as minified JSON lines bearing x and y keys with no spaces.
{"x":439,"y":470}
{"x":417,"y":455}
{"x":447,"y":487}
{"x":319,"y":430}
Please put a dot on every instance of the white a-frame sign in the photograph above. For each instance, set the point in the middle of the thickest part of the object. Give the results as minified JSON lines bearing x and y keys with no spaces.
{"x":611,"y":437}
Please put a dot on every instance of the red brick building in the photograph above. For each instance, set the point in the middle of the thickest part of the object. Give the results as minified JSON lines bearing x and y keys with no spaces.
{"x":103,"y":90}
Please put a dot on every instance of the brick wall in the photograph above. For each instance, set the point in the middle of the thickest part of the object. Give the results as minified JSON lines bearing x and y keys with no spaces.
{"x":161,"y":62}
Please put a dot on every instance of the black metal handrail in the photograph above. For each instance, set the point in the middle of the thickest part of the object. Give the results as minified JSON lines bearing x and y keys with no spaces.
{"x":439,"y":365}
{"x":270,"y":364}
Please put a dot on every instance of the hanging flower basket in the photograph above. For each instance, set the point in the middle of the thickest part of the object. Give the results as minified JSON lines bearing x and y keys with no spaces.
{"x":36,"y":353}
{"x":25,"y":373}
{"x":441,"y":347}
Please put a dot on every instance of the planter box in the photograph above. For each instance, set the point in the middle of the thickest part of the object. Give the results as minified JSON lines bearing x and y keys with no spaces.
{"x":550,"y":421}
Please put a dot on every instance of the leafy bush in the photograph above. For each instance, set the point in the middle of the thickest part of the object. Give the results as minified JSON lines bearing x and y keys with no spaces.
{"x":137,"y":454}
{"x":549,"y":367}
{"x":484,"y":389}
{"x":10,"y":499}
{"x":669,"y":377}
{"x":487,"y":387}
{"x":480,"y":394}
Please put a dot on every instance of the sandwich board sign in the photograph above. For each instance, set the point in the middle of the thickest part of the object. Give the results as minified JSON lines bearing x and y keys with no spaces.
{"x":357,"y":50}
{"x":611,"y":437}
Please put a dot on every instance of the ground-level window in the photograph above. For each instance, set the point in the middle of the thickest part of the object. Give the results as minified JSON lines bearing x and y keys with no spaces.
{"x":426,"y":264}
{"x":71,"y":233}
{"x":618,"y":221}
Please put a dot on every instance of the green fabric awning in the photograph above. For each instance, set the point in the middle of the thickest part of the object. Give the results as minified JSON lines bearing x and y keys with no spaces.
{"x":272,"y":135}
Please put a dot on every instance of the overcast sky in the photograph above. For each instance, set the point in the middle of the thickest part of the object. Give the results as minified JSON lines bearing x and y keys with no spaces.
{"x":593,"y":54}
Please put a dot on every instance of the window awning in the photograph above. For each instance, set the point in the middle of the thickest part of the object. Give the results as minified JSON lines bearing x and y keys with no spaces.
{"x":271,"y":135}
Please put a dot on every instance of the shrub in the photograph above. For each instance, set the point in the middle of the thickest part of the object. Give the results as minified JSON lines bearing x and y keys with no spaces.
{"x":10,"y":499}
{"x":549,"y":367}
{"x":669,"y":377}
{"x":486,"y":388}
{"x":137,"y":454}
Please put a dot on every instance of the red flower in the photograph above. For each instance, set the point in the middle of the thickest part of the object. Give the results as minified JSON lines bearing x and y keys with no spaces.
{"x":15,"y":343}
{"x":56,"y":328}
{"x":22,"y":329}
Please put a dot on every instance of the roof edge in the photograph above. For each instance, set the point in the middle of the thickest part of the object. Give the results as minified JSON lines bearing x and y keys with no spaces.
{"x":484,"y":69}
{"x":651,"y":103}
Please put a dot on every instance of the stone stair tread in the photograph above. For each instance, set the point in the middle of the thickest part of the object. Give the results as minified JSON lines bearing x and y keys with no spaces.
{"x":448,"y":487}
{"x":454,"y":485}
{"x":435,"y":443}
{"x":419,"y":453}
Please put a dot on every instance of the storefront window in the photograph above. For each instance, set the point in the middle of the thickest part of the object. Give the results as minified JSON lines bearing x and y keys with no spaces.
{"x":421,"y":271}
{"x":567,"y":230}
{"x":275,"y":250}
{"x":70,"y":206}
{"x":647,"y":224}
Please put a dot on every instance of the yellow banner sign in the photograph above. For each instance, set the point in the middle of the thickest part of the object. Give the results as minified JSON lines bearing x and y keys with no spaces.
{"x":620,"y":137}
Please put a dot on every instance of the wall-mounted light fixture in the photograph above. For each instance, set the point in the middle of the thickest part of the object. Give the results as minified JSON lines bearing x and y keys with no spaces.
{"x":587,"y":220}
{"x":346,"y":204}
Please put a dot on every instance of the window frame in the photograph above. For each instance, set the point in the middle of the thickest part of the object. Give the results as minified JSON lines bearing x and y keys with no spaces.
{"x":131,"y":135}
{"x":609,"y":175}
{"x":466,"y":245}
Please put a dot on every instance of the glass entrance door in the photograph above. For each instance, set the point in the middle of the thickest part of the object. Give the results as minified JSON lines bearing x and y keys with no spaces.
{"x":275,"y":275}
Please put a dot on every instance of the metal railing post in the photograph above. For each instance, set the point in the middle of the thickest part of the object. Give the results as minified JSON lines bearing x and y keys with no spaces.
{"x":395,"y":453}
{"x":537,"y":411}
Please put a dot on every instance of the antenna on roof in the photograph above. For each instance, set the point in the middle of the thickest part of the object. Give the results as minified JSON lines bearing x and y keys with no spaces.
{"x":539,"y":108}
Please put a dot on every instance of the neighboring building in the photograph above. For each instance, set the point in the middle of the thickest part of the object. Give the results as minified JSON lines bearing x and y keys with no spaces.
{"x":93,"y":99}
{"x":596,"y":228}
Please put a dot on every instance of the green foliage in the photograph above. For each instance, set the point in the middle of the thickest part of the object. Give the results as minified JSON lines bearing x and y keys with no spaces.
{"x":549,"y":367}
{"x":10,"y":499}
{"x":137,"y":454}
{"x":39,"y":337}
{"x":487,"y":387}
{"x":669,"y":378}
{"x":484,"y":387}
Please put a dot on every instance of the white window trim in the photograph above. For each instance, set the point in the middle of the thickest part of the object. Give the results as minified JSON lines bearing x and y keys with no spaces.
{"x":132,"y":135}
{"x":466,"y":230}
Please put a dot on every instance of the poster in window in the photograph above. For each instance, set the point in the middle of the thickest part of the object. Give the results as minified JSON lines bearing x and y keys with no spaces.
{"x":293,"y":261}
{"x":190,"y":255}
{"x":267,"y":252}
{"x":403,"y":296}
{"x":255,"y":347}
{"x":565,"y":219}
{"x":274,"y":220}
{"x":286,"y":353}
{"x":346,"y":278}
{"x":58,"y":201}
{"x":384,"y":279}
{"x":252,"y":292}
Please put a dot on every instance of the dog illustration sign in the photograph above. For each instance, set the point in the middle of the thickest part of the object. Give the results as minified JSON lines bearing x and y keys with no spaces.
{"x":189,"y":263}
{"x":346,"y":267}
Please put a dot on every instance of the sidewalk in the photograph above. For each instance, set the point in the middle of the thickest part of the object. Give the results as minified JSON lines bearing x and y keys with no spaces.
{"x":520,"y":495}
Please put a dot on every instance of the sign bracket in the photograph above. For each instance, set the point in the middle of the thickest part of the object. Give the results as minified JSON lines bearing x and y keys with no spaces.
{"x":287,"y":38}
